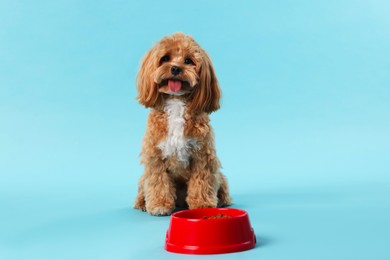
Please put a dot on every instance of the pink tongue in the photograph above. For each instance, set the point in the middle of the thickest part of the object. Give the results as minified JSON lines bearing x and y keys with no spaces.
{"x":174,"y":85}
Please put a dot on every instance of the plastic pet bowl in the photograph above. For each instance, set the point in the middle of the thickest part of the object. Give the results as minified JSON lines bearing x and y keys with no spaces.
{"x":209,"y":231}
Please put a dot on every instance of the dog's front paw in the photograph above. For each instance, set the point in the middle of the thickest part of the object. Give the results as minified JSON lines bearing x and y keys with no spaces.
{"x":160,"y":211}
{"x":160,"y":207}
{"x":194,"y":203}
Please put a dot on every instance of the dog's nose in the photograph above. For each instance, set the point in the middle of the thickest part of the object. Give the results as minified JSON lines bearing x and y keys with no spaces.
{"x":175,"y":70}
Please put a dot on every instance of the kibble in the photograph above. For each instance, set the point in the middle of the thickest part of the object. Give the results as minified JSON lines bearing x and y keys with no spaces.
{"x":216,"y":216}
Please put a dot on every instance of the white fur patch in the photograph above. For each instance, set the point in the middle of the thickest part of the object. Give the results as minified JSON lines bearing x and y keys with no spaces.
{"x":176,"y":143}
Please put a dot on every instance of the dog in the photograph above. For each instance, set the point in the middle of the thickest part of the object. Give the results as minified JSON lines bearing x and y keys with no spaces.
{"x":176,"y":80}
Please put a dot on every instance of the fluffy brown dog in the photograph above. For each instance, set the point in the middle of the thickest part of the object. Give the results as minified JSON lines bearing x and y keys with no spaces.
{"x":177,"y":81}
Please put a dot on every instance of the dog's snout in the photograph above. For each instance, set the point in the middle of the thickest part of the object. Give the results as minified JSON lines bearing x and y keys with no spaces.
{"x":175,"y":70}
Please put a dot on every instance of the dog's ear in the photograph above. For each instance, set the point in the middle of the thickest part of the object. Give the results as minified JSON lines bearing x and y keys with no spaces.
{"x":148,"y":94}
{"x":207,"y":93}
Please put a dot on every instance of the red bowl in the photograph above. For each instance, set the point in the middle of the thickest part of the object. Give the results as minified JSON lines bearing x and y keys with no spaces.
{"x":209,"y":231}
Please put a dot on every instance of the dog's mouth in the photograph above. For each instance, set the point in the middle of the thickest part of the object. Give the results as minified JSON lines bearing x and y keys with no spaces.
{"x":174,"y":86}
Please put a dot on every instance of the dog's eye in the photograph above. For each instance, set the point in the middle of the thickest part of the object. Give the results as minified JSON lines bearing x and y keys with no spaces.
{"x":189,"y":61}
{"x":165,"y":58}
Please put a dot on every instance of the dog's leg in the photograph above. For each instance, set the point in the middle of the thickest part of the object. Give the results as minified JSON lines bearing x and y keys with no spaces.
{"x":223,"y":193}
{"x":202,"y":190}
{"x":140,"y":200}
{"x":160,"y":192}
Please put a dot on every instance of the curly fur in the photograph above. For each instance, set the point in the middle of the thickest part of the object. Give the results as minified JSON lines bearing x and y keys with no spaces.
{"x":178,"y":151}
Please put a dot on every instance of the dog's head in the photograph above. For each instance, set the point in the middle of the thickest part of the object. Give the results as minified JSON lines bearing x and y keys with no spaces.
{"x":178,"y":66}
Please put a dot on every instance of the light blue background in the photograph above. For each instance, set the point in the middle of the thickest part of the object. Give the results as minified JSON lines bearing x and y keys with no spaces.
{"x":303,"y":133}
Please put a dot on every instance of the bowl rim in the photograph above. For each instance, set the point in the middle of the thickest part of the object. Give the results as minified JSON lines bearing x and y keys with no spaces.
{"x":177,"y":215}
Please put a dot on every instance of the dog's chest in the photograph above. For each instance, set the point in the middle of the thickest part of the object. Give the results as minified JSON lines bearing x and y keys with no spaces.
{"x":176,"y":143}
